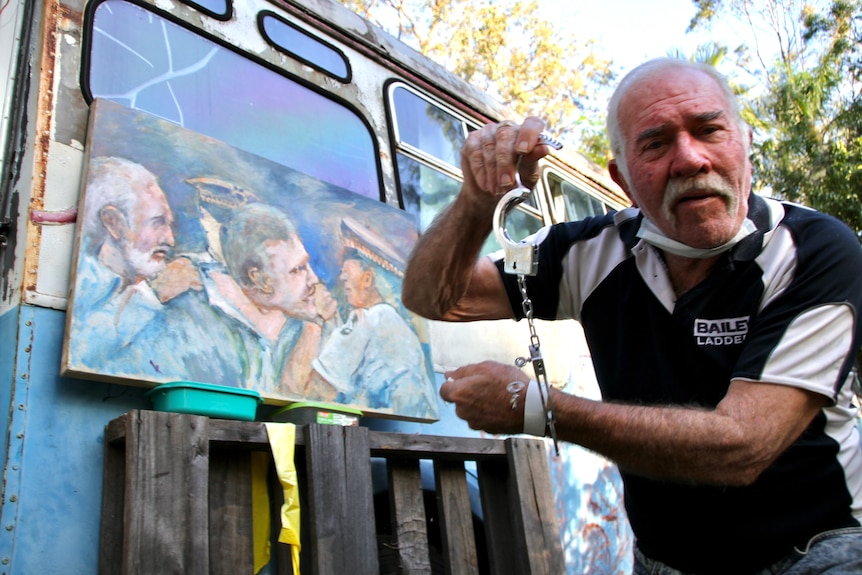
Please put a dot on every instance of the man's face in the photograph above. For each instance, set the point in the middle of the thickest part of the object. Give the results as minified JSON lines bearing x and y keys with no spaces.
{"x":687,"y":157}
{"x":149,"y":238}
{"x":292,"y":279}
{"x":356,"y":283}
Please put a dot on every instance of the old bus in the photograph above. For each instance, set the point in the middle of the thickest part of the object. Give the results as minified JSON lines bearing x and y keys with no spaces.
{"x":303,"y":83}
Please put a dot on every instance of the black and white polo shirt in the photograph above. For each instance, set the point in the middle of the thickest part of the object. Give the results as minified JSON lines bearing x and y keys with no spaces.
{"x":781,"y":307}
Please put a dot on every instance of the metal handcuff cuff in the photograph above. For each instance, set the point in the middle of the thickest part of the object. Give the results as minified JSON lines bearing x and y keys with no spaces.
{"x":521,"y":259}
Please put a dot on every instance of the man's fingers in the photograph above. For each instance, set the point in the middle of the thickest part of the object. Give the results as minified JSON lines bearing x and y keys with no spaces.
{"x":506,"y":137}
{"x":447,"y":388}
{"x":491,"y":155}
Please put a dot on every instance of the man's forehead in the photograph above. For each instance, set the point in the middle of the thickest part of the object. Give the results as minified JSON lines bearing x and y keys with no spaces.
{"x":291,"y":248}
{"x":688,"y":94}
{"x":152,"y":203}
{"x":693,"y":118}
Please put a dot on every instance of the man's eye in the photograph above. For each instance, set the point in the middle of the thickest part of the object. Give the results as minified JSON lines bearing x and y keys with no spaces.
{"x":298,"y":269}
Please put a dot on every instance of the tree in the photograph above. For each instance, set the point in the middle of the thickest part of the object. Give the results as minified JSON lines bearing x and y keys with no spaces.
{"x":808,"y":116}
{"x":505,"y":48}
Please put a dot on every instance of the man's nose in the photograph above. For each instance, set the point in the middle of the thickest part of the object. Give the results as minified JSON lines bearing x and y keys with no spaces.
{"x":168,"y":236}
{"x":312,"y":278}
{"x":689,"y":157}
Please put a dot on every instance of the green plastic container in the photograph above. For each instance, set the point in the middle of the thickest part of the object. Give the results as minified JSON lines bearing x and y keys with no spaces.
{"x":217,"y":401}
{"x":313,"y":412}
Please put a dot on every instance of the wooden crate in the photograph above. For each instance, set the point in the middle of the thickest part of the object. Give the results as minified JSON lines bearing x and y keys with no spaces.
{"x":177,"y":500}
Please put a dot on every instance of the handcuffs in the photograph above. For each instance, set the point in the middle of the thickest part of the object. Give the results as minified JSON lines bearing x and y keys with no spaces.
{"x":522,"y":259}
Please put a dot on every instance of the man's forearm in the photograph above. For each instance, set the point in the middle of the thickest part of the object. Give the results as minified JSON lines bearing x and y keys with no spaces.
{"x":729,"y":445}
{"x":658,"y":442}
{"x":441,"y":266}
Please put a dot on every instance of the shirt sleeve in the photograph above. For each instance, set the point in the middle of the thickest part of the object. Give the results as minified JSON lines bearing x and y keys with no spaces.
{"x":806,"y":333}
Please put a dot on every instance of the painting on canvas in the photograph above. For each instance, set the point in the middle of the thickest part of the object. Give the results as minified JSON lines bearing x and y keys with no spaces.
{"x":196,"y":261}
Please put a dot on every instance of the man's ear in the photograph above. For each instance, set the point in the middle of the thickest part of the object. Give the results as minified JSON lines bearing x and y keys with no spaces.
{"x":617,"y":176}
{"x":260,"y":280}
{"x":367,"y":279}
{"x":114,"y":221}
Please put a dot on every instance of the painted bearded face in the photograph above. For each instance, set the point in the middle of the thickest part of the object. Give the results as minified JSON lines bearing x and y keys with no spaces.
{"x":149,"y":238}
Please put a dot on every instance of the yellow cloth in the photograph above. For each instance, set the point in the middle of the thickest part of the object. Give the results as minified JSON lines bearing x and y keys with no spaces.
{"x":282,"y":438}
{"x":260,"y":509}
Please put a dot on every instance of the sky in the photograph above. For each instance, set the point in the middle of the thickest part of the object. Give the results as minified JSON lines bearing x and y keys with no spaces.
{"x":632,"y":31}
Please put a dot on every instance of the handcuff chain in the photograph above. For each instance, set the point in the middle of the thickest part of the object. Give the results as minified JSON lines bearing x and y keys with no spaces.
{"x":527,"y":306}
{"x":521,"y":259}
{"x":538,"y":364}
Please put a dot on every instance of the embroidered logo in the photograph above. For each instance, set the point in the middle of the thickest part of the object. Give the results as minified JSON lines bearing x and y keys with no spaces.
{"x":729,"y":331}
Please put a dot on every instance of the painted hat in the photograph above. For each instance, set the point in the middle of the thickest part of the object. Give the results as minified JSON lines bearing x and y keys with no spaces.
{"x":372,"y":246}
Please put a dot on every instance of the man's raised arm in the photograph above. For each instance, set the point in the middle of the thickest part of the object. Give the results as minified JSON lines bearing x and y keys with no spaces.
{"x":445,"y":278}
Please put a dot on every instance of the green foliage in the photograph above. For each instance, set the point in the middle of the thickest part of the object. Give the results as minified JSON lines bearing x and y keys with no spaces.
{"x":706,"y":11}
{"x":810,"y":144}
{"x":505,"y":48}
{"x":807,"y":115}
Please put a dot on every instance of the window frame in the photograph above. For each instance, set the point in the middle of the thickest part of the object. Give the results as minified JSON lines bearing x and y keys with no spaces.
{"x":204,"y":33}
{"x":536,"y":211}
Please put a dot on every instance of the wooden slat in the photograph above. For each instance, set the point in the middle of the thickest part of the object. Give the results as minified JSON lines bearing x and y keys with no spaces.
{"x":495,"y":492}
{"x":183,"y":485}
{"x":166,"y":519}
{"x":325,"y":463}
{"x":408,"y":516}
{"x":535,"y":513}
{"x":230,"y":518}
{"x":250,"y":435}
{"x":361,"y":542}
{"x":439,"y":448}
{"x":113,"y":495}
{"x":456,"y":518}
{"x":342,"y":536}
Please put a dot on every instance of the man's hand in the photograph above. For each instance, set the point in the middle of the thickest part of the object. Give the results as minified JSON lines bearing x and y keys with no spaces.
{"x":327,"y":307}
{"x":445,"y":278}
{"x":490,"y":156}
{"x":179,"y":276}
{"x":481,"y":399}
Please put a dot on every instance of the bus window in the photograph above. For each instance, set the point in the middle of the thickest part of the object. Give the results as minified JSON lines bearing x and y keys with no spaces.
{"x":428,"y":128}
{"x":220,"y":9}
{"x":428,"y":140}
{"x":142,"y":60}
{"x":287,"y":38}
{"x":569,"y":201}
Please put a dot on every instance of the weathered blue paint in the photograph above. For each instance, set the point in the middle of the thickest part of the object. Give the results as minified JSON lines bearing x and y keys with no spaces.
{"x":8,"y":337}
{"x":55,"y":527}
